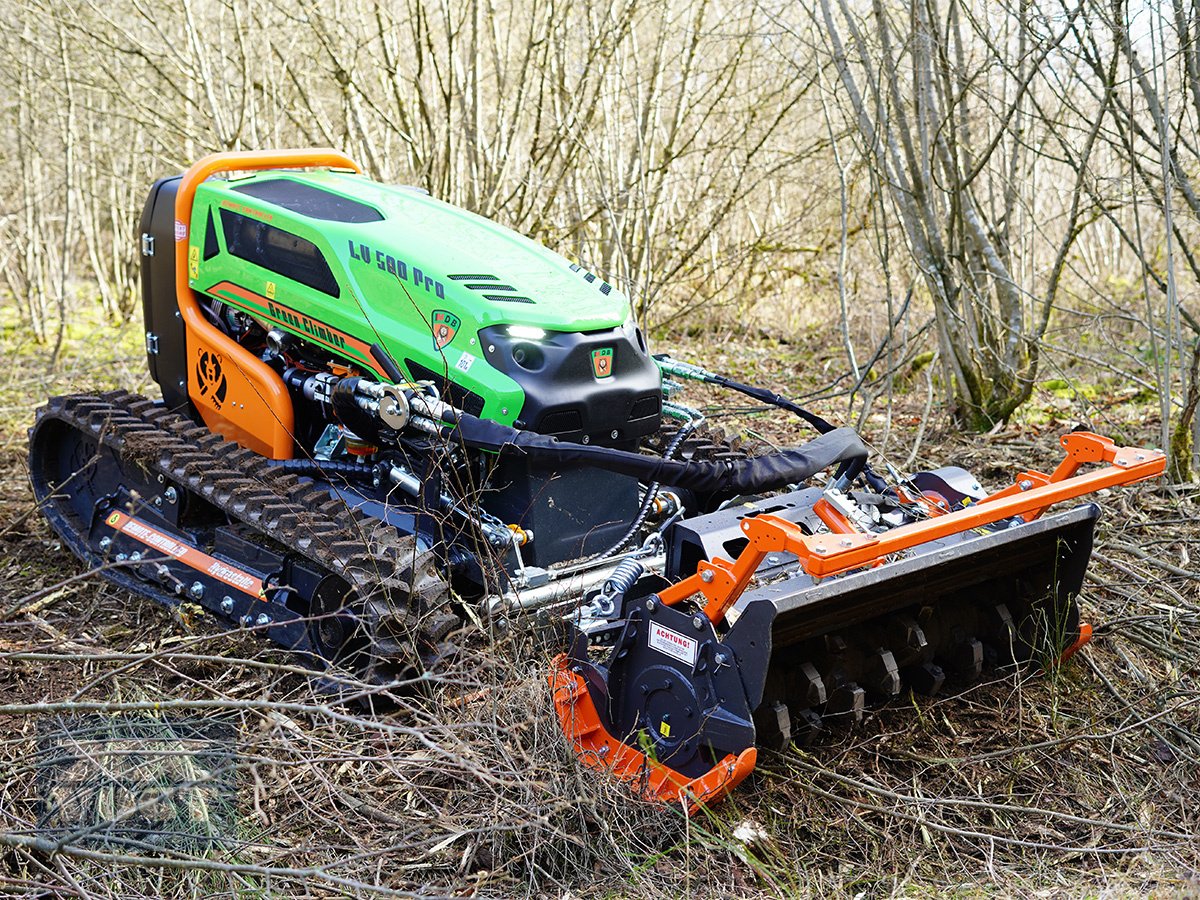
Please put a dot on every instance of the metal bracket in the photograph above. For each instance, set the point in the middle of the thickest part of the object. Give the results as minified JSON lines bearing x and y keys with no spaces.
{"x":147,"y":244}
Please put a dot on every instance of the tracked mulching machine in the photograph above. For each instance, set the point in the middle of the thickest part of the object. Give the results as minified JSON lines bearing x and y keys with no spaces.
{"x":382,"y":416}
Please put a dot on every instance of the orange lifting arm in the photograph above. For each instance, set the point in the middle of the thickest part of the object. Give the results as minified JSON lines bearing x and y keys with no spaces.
{"x":259,"y":413}
{"x":722,"y":582}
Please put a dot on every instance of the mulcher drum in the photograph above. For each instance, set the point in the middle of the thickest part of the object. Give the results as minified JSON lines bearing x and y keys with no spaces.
{"x":948,"y":609}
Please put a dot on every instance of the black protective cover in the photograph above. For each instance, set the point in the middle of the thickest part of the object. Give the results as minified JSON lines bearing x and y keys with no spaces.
{"x":159,"y":307}
{"x":563,"y":396}
{"x":572,"y":513}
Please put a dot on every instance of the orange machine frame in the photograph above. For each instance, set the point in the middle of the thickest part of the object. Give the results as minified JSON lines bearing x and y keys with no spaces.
{"x":257,"y":410}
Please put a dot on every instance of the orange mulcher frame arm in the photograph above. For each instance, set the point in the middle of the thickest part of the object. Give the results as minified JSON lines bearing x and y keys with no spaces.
{"x":721,"y":583}
{"x":257,"y":411}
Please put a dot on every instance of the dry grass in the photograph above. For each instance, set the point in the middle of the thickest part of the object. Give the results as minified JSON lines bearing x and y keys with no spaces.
{"x":1081,"y":782}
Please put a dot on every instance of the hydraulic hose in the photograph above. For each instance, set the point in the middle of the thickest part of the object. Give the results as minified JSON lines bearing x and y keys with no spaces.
{"x":822,"y":426}
{"x":841,"y":446}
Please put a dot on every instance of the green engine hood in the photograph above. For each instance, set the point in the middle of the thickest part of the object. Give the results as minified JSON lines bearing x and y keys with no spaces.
{"x":349,"y":262}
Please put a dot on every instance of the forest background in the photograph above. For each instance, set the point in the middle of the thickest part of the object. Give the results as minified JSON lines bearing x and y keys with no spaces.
{"x":929,"y":218}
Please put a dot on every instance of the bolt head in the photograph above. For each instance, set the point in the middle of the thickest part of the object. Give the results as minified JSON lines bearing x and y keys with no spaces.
{"x":651,"y":605}
{"x":121,"y":557}
{"x":227,"y":605}
{"x":196,"y":590}
{"x":1024,"y":484}
{"x":613,"y":434}
{"x":135,"y":556}
{"x":263,"y":619}
{"x":171,"y":494}
{"x":698,"y":623}
{"x":105,"y":543}
{"x":707,"y":576}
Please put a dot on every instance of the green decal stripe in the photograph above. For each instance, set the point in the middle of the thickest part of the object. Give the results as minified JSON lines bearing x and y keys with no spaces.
{"x":259,"y":305}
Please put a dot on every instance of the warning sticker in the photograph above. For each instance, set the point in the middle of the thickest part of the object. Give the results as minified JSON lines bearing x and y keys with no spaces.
{"x":673,"y":644}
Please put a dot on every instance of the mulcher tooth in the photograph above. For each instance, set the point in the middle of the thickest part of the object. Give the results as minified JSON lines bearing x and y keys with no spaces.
{"x":927,"y":678}
{"x":773,"y":726}
{"x":965,"y":658}
{"x":848,"y":701}
{"x":883,"y":674}
{"x":907,"y":640}
{"x":1003,"y":647}
{"x":807,"y":727}
{"x":811,"y":687}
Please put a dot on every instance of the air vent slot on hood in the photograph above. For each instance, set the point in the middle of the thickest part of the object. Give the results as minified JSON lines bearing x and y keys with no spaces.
{"x":490,"y":283}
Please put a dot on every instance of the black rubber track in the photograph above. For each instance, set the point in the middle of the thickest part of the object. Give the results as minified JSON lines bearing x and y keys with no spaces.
{"x":395,"y":591}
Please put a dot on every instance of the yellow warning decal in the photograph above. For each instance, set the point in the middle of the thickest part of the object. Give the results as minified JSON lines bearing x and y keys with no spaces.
{"x":664,"y":729}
